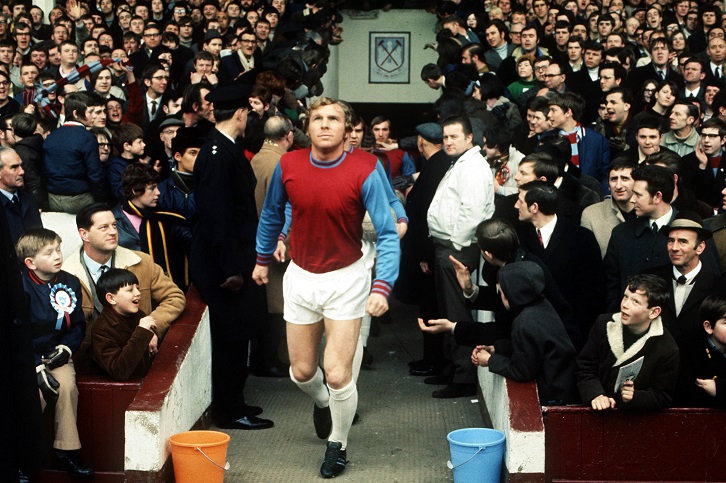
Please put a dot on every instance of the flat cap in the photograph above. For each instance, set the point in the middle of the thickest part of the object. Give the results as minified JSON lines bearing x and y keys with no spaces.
{"x":230,"y":96}
{"x":212,"y":34}
{"x":431,"y":132}
{"x":170,"y":121}
{"x":688,"y":220}
{"x":187,"y":137}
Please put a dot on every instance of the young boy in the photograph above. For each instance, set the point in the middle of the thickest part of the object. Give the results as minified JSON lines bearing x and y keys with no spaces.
{"x":620,"y":339}
{"x":704,"y":359}
{"x":58,"y":325}
{"x":121,"y":334}
{"x":129,"y":143}
{"x":540,"y":348}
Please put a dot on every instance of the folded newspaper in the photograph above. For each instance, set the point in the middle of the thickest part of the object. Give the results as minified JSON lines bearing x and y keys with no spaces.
{"x":628,"y":372}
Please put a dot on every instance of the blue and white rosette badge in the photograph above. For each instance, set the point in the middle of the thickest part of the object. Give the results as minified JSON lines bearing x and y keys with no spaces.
{"x":63,"y":300}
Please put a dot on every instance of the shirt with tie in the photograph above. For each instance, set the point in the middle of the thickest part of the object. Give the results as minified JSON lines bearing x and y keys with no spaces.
{"x":95,"y":269}
{"x":682,"y":286}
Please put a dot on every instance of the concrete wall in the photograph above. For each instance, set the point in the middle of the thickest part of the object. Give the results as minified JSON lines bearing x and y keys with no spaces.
{"x":514,"y":410}
{"x":189,"y":396}
{"x":347,"y":76}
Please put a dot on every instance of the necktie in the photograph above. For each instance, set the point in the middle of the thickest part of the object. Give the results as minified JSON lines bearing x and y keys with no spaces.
{"x":718,"y":72}
{"x":681,"y":280}
{"x":539,"y":237}
{"x":153,"y":108}
{"x":654,"y":226}
{"x":661,"y":74}
{"x":15,"y":200}
{"x":103,"y":269}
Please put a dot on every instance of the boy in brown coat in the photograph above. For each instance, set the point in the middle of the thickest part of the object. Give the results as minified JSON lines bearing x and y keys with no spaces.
{"x":121,"y":334}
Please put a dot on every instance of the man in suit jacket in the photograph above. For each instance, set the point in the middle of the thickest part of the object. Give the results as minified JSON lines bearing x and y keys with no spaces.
{"x":20,"y":208}
{"x":659,"y":68}
{"x":156,"y":80}
{"x":246,"y":59}
{"x":690,"y":280}
{"x":639,"y":244}
{"x":565,"y":248}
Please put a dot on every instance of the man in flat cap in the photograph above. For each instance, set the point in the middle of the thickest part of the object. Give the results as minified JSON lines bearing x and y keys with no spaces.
{"x":690,"y":280}
{"x":416,"y":282}
{"x":327,"y":286}
{"x":223,"y":255}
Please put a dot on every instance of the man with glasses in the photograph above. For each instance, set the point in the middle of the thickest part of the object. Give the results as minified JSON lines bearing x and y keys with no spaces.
{"x":554,"y":78}
{"x":246,"y":59}
{"x":8,"y":105}
{"x":151,"y":50}
{"x":7,"y":133}
{"x":156,"y":80}
{"x":22,"y":37}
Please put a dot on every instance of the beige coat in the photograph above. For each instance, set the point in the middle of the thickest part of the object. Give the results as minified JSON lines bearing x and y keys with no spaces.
{"x":263,"y":164}
{"x":160,"y":297}
{"x":600,"y":219}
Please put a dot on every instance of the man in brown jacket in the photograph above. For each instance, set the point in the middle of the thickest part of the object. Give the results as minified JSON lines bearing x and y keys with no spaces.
{"x":160,"y":297}
{"x":278,"y":140}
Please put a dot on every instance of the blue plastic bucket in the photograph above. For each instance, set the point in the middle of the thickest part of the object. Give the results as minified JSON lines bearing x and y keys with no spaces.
{"x":476,"y":455}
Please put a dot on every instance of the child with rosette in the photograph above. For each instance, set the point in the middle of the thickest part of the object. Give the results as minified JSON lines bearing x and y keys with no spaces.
{"x":58,"y":325}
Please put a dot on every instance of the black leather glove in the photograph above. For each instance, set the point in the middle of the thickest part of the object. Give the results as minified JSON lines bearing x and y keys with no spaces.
{"x":47,"y":383}
{"x":60,"y":357}
{"x":618,"y":144}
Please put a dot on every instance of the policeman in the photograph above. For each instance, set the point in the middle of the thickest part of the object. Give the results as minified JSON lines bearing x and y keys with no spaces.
{"x":223,"y":255}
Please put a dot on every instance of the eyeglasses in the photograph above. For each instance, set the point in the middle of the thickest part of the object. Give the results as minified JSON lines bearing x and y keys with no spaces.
{"x":104,"y":145}
{"x":708,"y":135}
{"x":549,"y":76}
{"x":4,"y":83}
{"x":161,"y":77}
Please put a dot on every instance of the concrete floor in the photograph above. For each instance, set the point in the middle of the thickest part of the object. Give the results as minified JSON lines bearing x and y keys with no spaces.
{"x":401,"y":435}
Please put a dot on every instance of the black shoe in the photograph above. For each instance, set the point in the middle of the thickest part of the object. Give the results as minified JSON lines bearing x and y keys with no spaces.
{"x":271,"y":372}
{"x":253,"y":410}
{"x":70,"y":463}
{"x":335,"y":460}
{"x":455,"y":390}
{"x":422,"y":371}
{"x":323,"y":421}
{"x":437,"y":380}
{"x":367,"y":359}
{"x":247,"y":423}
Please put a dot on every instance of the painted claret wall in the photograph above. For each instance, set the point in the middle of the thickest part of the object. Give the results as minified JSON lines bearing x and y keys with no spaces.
{"x":347,"y":75}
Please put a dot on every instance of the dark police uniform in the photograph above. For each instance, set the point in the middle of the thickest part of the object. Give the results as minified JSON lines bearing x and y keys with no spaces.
{"x":223,"y":246}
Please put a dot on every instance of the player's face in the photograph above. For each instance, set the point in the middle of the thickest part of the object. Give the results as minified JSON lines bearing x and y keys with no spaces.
{"x":327,"y":128}
{"x":356,"y":135}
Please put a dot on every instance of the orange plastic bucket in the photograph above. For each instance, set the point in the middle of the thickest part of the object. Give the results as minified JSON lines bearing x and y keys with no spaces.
{"x":199,"y":456}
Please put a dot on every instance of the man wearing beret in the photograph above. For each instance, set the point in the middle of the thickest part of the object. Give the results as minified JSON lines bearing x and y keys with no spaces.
{"x":223,"y":256}
{"x":327,"y":286}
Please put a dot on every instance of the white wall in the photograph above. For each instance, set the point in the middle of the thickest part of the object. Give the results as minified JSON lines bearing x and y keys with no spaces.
{"x":190,"y":395}
{"x":347,"y":76}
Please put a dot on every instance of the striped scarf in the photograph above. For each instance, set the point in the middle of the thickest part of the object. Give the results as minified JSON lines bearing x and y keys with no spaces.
{"x":574,"y":137}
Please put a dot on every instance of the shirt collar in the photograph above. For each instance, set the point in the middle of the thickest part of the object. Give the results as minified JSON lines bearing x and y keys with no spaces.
{"x":7,"y":194}
{"x":94,"y":268}
{"x":547,"y":230}
{"x":663,"y":220}
{"x":690,"y":275}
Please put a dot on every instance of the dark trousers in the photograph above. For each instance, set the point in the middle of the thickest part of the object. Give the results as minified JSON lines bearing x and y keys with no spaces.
{"x":453,"y":305}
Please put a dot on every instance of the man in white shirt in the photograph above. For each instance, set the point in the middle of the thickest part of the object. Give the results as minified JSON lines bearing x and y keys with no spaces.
{"x":463,"y":199}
